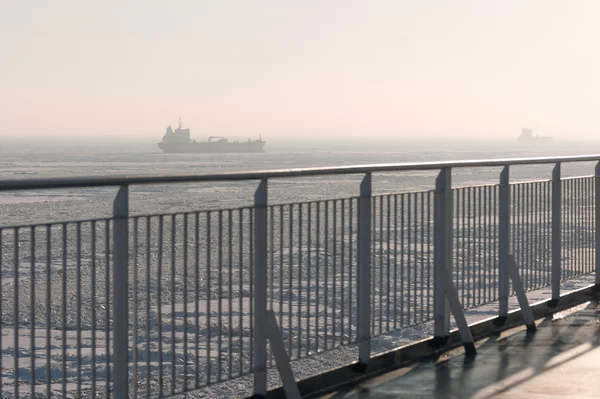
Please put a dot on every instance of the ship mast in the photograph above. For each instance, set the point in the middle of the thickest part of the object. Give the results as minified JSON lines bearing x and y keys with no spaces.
{"x":180,"y":122}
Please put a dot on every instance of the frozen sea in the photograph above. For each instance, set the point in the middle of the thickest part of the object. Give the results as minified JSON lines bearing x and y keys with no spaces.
{"x":71,"y":359}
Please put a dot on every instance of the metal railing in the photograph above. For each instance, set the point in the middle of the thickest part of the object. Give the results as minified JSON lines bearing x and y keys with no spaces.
{"x":160,"y":304}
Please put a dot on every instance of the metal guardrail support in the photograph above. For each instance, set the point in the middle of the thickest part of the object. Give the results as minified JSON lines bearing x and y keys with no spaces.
{"x":282,"y":359}
{"x":442,"y":253}
{"x":364,"y":273}
{"x":521,"y":296}
{"x":121,"y":294}
{"x":597,"y":225}
{"x":504,"y":243}
{"x":260,"y":290}
{"x":556,"y":233}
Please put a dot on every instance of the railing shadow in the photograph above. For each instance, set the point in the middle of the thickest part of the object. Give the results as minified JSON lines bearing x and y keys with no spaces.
{"x":501,"y":364}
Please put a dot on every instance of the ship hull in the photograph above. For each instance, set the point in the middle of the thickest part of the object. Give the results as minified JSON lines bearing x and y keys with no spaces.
{"x":212,"y":147}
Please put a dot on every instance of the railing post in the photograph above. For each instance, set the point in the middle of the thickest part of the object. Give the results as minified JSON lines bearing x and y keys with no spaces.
{"x":556,"y":233}
{"x":504,"y":243}
{"x":260,"y":290}
{"x":443,"y":249}
{"x":597,"y":226}
{"x":121,"y":295}
{"x":364,"y":272}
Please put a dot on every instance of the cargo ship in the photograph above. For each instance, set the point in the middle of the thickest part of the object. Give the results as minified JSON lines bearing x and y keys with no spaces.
{"x":178,"y":141}
{"x":527,"y":137}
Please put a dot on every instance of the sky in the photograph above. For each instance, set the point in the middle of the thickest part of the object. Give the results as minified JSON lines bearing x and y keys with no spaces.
{"x":293,"y":69}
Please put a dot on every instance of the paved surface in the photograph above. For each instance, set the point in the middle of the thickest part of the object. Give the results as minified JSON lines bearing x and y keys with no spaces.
{"x":560,"y":360}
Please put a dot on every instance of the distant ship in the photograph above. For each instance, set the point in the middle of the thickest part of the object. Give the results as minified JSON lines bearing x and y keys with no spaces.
{"x":528,"y":137}
{"x":178,"y":141}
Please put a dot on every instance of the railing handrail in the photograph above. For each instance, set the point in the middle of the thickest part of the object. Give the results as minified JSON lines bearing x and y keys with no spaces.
{"x":120,"y":180}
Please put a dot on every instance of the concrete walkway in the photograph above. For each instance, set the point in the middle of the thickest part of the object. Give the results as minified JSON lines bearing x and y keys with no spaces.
{"x":560,"y":360}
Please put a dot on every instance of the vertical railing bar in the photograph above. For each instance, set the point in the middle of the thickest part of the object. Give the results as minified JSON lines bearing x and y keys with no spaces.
{"x":364,"y":272}
{"x":564,"y":214}
{"x":597,"y":224}
{"x":492,"y":244}
{"x":556,"y":232}
{"x":49,"y":319}
{"x":538,"y":246}
{"x":373,"y":269}
{"x":317,"y":267}
{"x":299,"y":340}
{"x":334,"y":276}
{"x":580,"y":200}
{"x":429,"y":298}
{"x":351,"y":267}
{"x":549,"y":230}
{"x":521,"y":231}
{"x":575,"y":226}
{"x":380,"y":264}
{"x":496,"y":234}
{"x":590,"y":227}
{"x":571,"y":229}
{"x":135,"y":307}
{"x":395,"y":261}
{"x":173,"y":298}
{"x":530,"y":240}
{"x":208,"y":297}
{"x":523,"y":210}
{"x":402,"y":259}
{"x":281,"y":271}
{"x":488,"y":244}
{"x":148,"y":301}
{"x":469,"y":259}
{"x":591,"y":224}
{"x":308,"y":270}
{"x":93,"y":310}
{"x":271,"y":287}
{"x":416,"y":258}
{"x":271,"y":227}
{"x":484,"y":244}
{"x":408,"y":257}
{"x":538,"y":243}
{"x":32,"y":295}
{"x":107,"y":311}
{"x":260,"y":246}
{"x":77,"y":305}
{"x":220,"y":297}
{"x":585,"y":219}
{"x":464,"y":271}
{"x":159,"y":303}
{"x":526,"y":265}
{"x":251,"y":262}
{"x":64,"y":316}
{"x":121,"y":293}
{"x":185,"y":301}
{"x":291,"y":277}
{"x":388,"y":288}
{"x":479,"y":252}
{"x":459,"y":267}
{"x":342,"y":266}
{"x":326,"y":320}
{"x":16,"y":313}
{"x":230,"y":289}
{"x":47,"y":310}
{"x":516,"y":226}
{"x":422,"y":257}
{"x":241,"y":286}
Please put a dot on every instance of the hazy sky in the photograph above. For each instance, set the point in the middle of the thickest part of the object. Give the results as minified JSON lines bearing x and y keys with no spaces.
{"x":286,"y":68}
